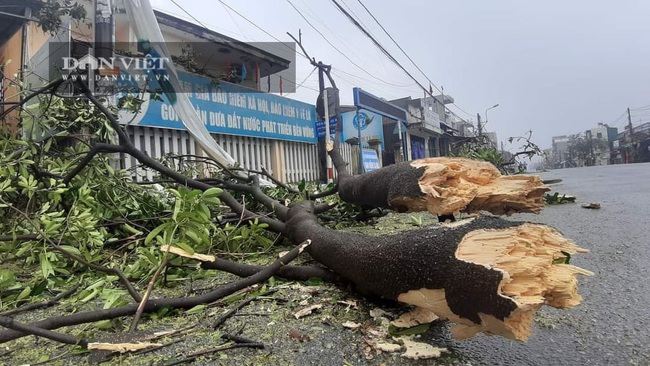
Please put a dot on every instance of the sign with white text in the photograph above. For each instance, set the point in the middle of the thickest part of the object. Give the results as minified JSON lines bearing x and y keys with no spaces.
{"x":370,"y":160}
{"x":234,"y":110}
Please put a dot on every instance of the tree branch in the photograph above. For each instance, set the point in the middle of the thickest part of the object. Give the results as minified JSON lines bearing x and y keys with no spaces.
{"x":134,"y":294}
{"x":43,"y":304}
{"x":295,"y":273}
{"x":96,"y":149}
{"x":329,"y":192}
{"x":10,"y":323}
{"x":156,"y":304}
{"x":152,"y":163}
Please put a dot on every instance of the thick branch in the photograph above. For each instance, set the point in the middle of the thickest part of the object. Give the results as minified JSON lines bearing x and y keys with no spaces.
{"x":96,"y":149}
{"x":156,"y":304}
{"x":443,"y":186}
{"x":42,"y":304}
{"x":294,"y":273}
{"x":458,"y":272}
{"x":8,"y":322}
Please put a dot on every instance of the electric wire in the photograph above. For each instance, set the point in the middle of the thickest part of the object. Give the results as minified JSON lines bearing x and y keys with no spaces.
{"x":384,"y":50}
{"x":262,"y":29}
{"x":406,"y":54}
{"x":334,"y":47}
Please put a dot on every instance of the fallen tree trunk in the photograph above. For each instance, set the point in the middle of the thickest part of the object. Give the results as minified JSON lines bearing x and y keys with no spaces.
{"x":442,"y":186}
{"x":486,"y":274}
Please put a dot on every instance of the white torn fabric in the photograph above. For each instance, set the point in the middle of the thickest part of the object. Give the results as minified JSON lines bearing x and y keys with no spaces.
{"x":144,"y":23}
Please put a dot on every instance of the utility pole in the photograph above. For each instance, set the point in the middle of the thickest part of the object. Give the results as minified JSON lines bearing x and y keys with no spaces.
{"x":480,"y":127}
{"x":629,"y":122}
{"x":630,"y":128}
{"x":104,"y":44}
{"x":324,"y":70}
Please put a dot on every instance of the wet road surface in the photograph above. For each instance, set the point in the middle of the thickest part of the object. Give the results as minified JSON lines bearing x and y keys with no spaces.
{"x":612,"y":325}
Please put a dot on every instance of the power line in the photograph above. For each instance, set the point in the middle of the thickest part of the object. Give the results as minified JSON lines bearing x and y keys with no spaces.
{"x":262,"y":29}
{"x":308,"y":76}
{"x":387,"y":91}
{"x":385,"y":51}
{"x":407,"y":56}
{"x":397,"y":44}
{"x":641,"y":108}
{"x":368,"y":80}
{"x":334,"y":47}
{"x":188,"y":14}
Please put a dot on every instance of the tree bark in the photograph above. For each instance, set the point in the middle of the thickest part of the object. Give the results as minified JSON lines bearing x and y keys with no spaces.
{"x":486,"y":274}
{"x":442,"y":186}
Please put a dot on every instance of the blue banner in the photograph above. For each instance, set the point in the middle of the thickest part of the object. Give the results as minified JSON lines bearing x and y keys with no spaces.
{"x":235,"y":110}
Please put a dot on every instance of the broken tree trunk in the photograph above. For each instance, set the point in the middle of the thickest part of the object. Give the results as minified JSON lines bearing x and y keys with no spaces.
{"x":485,"y":274}
{"x":441,"y":186}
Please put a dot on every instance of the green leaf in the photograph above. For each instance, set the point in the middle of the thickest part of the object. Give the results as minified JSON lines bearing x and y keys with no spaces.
{"x":177,"y":208}
{"x":24,"y":293}
{"x":212,"y":192}
{"x":46,"y":266}
{"x":70,"y":249}
{"x":185,"y":247}
{"x":192,"y":235}
{"x":196,"y":309}
{"x":131,"y":229}
{"x":152,"y":235}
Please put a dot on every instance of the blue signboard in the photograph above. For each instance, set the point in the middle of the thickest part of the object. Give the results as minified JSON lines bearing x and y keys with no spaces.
{"x":368,"y":122}
{"x":320,"y":128}
{"x":235,"y":110}
{"x":370,"y":160}
{"x":370,"y":102}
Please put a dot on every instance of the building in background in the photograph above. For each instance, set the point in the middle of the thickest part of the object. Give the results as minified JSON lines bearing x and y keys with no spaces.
{"x":594,"y":146}
{"x":227,"y":81}
{"x":632,"y":146}
{"x":431,"y":128}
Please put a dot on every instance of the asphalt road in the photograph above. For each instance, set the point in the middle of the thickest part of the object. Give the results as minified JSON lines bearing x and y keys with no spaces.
{"x":612,"y":325}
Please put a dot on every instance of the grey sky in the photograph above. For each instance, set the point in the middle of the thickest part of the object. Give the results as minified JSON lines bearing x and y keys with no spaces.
{"x":556,"y":67}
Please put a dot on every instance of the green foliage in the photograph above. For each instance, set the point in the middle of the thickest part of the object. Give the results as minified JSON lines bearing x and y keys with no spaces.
{"x":556,"y":199}
{"x":52,"y":11}
{"x":488,"y":154}
{"x":101,"y":216}
{"x":416,"y":220}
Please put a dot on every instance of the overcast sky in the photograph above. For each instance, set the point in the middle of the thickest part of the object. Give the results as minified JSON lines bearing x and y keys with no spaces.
{"x":554,"y":67}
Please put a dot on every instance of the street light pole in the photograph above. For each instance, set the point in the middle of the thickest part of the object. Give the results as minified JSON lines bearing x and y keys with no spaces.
{"x":486,"y":119}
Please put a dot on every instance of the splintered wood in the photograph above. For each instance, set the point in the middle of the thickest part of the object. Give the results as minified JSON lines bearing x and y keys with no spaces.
{"x":531,"y":259}
{"x":452,"y":185}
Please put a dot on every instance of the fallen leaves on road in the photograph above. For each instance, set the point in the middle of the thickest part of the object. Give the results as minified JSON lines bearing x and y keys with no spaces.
{"x":351,"y":325}
{"x":416,"y":317}
{"x":307,"y":310}
{"x":421,"y":351}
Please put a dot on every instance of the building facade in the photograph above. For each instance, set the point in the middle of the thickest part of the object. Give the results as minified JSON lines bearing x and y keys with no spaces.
{"x":227,"y":81}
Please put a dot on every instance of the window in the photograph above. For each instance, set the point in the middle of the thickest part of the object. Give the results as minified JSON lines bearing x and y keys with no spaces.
{"x":599,"y":135}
